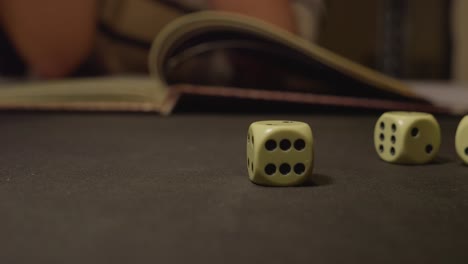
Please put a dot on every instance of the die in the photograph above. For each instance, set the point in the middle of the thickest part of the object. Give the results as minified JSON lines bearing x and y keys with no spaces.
{"x":407,"y":137}
{"x":280,"y":153}
{"x":461,"y":139}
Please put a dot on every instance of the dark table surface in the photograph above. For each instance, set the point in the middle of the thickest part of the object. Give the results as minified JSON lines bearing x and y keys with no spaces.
{"x":83,"y":188}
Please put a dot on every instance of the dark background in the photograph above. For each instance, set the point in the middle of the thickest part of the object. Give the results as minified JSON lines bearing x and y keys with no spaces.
{"x":405,"y":39}
{"x":82,"y":188}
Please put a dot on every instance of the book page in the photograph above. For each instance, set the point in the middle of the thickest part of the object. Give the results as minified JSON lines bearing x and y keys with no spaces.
{"x":449,"y":95}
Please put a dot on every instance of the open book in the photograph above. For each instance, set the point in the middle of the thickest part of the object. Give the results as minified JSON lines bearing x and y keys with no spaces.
{"x":215,"y":56}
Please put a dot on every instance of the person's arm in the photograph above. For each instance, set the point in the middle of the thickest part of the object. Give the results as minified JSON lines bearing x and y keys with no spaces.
{"x":52,"y":36}
{"x":277,"y":12}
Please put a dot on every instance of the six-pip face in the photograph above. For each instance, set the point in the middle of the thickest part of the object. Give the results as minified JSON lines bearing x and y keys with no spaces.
{"x":407,"y":137}
{"x":279,"y":153}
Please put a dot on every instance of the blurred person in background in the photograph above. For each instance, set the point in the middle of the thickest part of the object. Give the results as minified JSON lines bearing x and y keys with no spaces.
{"x":54,"y":37}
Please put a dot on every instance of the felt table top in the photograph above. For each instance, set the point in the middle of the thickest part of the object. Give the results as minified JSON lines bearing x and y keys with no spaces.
{"x":108,"y":188}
